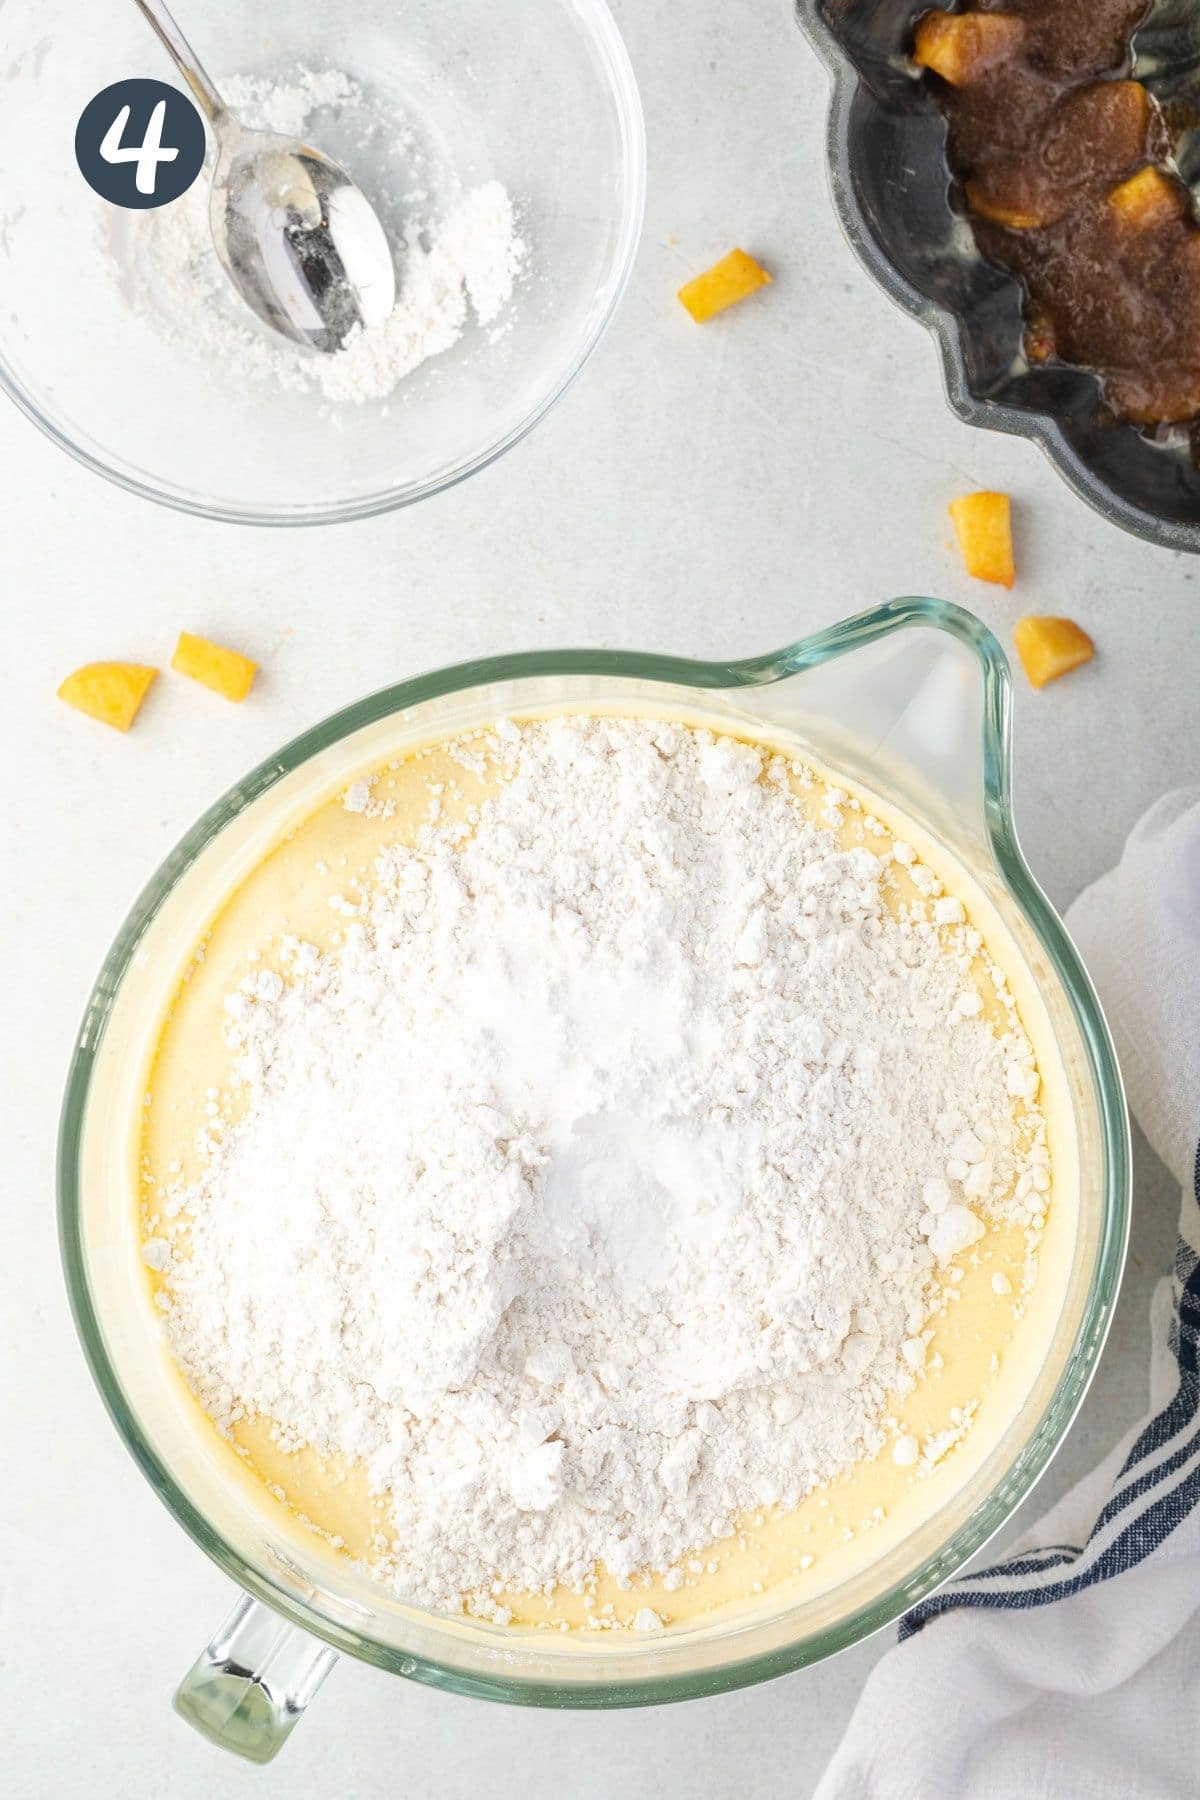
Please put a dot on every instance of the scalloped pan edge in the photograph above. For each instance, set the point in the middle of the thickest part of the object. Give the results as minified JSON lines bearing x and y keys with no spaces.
{"x":892,"y":195}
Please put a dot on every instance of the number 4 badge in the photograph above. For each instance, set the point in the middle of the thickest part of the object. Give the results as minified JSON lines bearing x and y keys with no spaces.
{"x":140,"y":143}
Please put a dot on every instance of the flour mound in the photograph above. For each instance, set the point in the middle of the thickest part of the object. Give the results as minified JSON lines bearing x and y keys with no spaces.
{"x":595,"y":1190}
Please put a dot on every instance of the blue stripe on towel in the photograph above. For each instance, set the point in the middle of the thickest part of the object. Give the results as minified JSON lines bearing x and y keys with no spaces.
{"x":1157,"y":1499}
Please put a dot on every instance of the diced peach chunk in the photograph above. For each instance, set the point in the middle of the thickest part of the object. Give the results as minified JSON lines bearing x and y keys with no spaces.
{"x":983,"y":522}
{"x":226,"y":671}
{"x":1097,"y":130}
{"x":1050,"y":647}
{"x":728,"y":281}
{"x":961,"y":46}
{"x":1018,"y":214}
{"x":1148,"y":198}
{"x":109,"y":691}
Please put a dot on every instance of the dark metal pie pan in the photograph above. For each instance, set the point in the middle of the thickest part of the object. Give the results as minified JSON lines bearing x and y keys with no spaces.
{"x":902,"y":213}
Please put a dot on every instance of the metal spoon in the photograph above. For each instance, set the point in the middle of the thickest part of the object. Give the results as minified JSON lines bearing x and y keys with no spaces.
{"x":299,"y":241}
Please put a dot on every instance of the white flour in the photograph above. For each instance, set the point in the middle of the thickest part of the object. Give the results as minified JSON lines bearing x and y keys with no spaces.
{"x":451,"y":267}
{"x":595,"y":1190}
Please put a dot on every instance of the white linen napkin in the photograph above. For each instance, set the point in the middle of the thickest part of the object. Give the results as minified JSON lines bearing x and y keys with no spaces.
{"x":1072,"y":1667}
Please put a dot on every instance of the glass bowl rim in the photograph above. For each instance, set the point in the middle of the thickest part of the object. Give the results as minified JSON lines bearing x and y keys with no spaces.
{"x":1058,"y":1413}
{"x":622,"y":86}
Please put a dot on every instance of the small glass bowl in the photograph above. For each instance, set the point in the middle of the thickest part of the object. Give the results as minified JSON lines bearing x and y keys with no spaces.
{"x":536,"y":94}
{"x":911,"y":701}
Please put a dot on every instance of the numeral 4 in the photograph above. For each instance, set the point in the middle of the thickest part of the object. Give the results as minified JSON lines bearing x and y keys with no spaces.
{"x":147,"y":155}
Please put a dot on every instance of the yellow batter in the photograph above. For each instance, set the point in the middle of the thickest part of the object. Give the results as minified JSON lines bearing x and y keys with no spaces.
{"x":999,"y":1302}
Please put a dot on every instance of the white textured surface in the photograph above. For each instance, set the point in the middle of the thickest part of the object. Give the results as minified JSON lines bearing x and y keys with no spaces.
{"x":709,"y":491}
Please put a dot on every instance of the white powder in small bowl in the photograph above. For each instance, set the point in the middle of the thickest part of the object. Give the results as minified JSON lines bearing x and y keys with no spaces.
{"x":453,"y":265}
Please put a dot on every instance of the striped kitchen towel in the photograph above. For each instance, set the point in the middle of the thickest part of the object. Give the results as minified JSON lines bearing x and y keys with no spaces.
{"x":1072,"y":1667}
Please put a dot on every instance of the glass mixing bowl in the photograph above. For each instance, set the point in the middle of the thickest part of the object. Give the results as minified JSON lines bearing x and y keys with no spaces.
{"x":909,"y":701}
{"x":537,"y":94}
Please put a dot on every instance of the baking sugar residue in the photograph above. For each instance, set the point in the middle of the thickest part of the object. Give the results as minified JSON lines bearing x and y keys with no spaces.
{"x":598,"y":1187}
{"x":457,"y":266}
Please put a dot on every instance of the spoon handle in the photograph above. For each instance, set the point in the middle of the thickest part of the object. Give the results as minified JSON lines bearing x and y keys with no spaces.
{"x":184,"y":57}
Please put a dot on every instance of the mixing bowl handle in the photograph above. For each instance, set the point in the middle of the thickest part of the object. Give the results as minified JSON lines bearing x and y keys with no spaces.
{"x":246,"y":1691}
